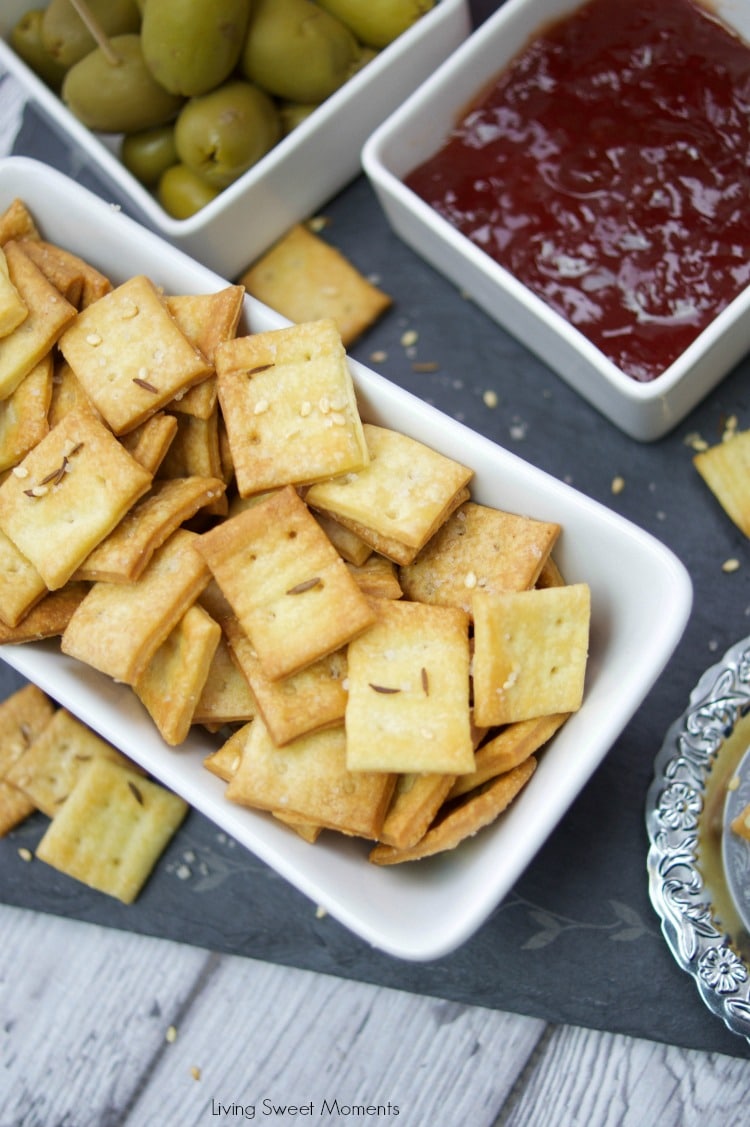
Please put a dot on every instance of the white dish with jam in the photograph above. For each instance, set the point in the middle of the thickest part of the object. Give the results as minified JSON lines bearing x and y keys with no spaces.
{"x":641,"y":600}
{"x":643,"y":409}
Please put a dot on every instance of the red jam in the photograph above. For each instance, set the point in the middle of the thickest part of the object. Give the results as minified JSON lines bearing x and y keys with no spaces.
{"x":608,"y":168}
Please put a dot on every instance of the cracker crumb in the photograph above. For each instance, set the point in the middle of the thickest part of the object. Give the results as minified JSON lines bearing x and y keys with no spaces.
{"x":379,"y":356}
{"x":171,"y":1035}
{"x":409,"y":338}
{"x":730,"y":565}
{"x":695,"y":441}
{"x":733,"y":783}
{"x":320,"y":912}
{"x":195,"y":1072}
{"x":490,"y":398}
{"x":424,"y":366}
{"x":318,"y":222}
{"x":25,"y":854}
{"x":618,"y":484}
{"x":730,"y":428}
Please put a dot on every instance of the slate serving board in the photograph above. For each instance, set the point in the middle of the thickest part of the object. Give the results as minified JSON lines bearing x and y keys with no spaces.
{"x":577,"y":940}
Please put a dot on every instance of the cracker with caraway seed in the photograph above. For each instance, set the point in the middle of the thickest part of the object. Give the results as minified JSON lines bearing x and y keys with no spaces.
{"x":130,"y":355}
{"x":23,"y":717}
{"x":462,"y":820}
{"x":725,"y":468}
{"x":48,"y":316}
{"x":287,"y":585}
{"x":479,"y":547}
{"x":24,"y":414}
{"x":408,"y":708}
{"x":172,"y":683}
{"x":289,"y":407}
{"x":49,"y":769}
{"x":308,"y":778}
{"x":313,"y":698}
{"x":400,"y":499}
{"x":67,"y":494}
{"x":118,"y":627}
{"x":530,"y":653}
{"x":126,"y":552}
{"x":111,"y":830}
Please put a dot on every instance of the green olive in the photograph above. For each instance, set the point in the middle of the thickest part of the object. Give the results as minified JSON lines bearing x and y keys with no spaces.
{"x":26,"y":41}
{"x":297,"y":51}
{"x":377,"y":22}
{"x":65,"y":35}
{"x":192,"y":46}
{"x":222,"y":134}
{"x":122,"y":98}
{"x":181,"y":192}
{"x":293,"y":114}
{"x":150,"y":153}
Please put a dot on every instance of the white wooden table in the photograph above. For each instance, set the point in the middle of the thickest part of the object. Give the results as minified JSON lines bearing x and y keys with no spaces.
{"x":99,"y":1027}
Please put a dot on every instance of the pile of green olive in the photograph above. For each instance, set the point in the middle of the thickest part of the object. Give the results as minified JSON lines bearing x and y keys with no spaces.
{"x":200,"y":90}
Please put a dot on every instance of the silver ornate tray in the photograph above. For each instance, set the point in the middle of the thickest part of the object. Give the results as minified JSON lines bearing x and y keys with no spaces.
{"x":686,"y":820}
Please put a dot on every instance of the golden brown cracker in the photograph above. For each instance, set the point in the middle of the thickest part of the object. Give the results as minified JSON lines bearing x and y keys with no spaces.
{"x":507,"y":749}
{"x":725,"y":468}
{"x":24,"y":414}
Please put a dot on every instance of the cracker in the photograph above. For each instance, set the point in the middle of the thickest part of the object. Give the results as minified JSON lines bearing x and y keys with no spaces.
{"x":226,"y":697}
{"x":17,"y":222}
{"x":307,"y":279}
{"x":408,"y":707}
{"x":725,"y":468}
{"x":49,"y":769}
{"x":123,"y":555}
{"x":349,"y":546}
{"x":118,"y":627}
{"x":223,"y":762}
{"x":47,"y":618}
{"x":400,"y":499}
{"x":313,"y":698}
{"x":308,"y":778}
{"x":21,"y":585}
{"x":171,"y":685}
{"x":461,"y":821}
{"x":286,"y":583}
{"x":149,"y":442}
{"x":550,"y":575}
{"x":413,"y":807}
{"x":23,"y":717}
{"x":195,"y":451}
{"x":24,"y":414}
{"x":507,"y":749}
{"x":207,"y":320}
{"x":111,"y":830}
{"x":48,"y":315}
{"x":13,"y":309}
{"x":740,"y":824}
{"x":289,"y":407}
{"x":15,"y":807}
{"x":530,"y":653}
{"x":308,"y":831}
{"x":67,"y":395}
{"x":67,"y":494}
{"x":479,"y":547}
{"x":77,"y":280}
{"x":129,"y":354}
{"x":377,"y":577}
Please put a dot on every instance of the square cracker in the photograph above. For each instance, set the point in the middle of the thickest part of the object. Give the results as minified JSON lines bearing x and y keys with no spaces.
{"x":111,"y":830}
{"x":13,"y":309}
{"x":15,"y":807}
{"x":287,"y":585}
{"x":414,"y":804}
{"x":130,"y":355}
{"x":313,"y":698}
{"x":48,"y":617}
{"x":289,"y":407}
{"x":21,"y":585}
{"x":24,"y":414}
{"x":123,"y":555}
{"x":79,"y":281}
{"x":308,"y":778}
{"x":150,"y":442}
{"x":49,"y":769}
{"x":49,"y":314}
{"x":307,"y":279}
{"x":67,"y":494}
{"x":530,"y":653}
{"x":226,"y":697}
{"x":172,"y":683}
{"x":118,"y":627}
{"x":458,"y":821}
{"x":507,"y":749}
{"x":400,"y":499}
{"x":23,"y":717}
{"x":479,"y":547}
{"x":207,"y":320}
{"x":408,"y":707}
{"x":725,"y":468}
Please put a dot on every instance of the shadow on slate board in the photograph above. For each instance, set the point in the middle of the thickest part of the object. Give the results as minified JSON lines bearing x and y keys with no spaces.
{"x":576,"y":941}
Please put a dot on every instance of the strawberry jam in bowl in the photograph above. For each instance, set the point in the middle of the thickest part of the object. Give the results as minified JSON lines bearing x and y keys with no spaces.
{"x":589,"y":183}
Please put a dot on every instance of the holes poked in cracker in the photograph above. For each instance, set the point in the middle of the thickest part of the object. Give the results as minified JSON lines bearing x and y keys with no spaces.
{"x":293,"y":576}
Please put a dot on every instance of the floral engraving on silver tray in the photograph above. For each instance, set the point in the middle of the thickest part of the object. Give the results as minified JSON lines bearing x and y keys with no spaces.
{"x":673,"y":809}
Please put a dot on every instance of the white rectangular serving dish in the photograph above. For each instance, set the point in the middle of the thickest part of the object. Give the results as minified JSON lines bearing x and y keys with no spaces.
{"x":641,"y":597}
{"x":293,"y":180}
{"x":644,"y":411}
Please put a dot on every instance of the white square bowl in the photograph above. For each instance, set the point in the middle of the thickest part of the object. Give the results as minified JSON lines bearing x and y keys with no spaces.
{"x":291,"y":181}
{"x":417,"y":129}
{"x":641,"y":597}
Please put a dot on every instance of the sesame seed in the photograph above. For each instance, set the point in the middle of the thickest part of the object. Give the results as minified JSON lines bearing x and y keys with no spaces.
{"x":490,"y":398}
{"x":93,"y":339}
{"x":410,"y":337}
{"x":25,"y":854}
{"x":261,"y":407}
{"x":618,"y":484}
{"x":305,"y":409}
{"x":171,"y":1035}
{"x":730,"y":565}
{"x":20,"y":471}
{"x":470,"y":579}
